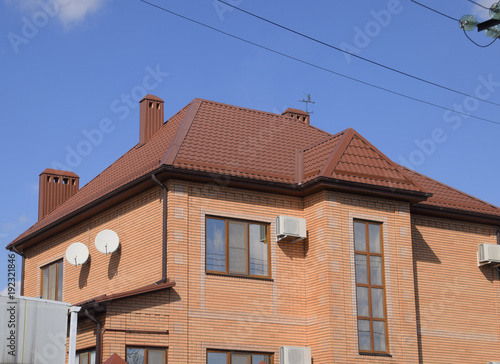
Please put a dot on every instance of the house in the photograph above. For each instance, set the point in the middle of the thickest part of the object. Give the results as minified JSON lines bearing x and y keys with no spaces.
{"x":214,"y":267}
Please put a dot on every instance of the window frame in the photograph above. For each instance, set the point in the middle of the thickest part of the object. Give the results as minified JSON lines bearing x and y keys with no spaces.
{"x":369,"y":285}
{"x":226,"y":272}
{"x":59,"y":280}
{"x":146,"y":349}
{"x":87,"y":351}
{"x":241,"y":352}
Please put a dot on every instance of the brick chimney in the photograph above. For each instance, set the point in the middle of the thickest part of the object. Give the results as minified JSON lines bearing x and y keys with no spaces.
{"x":55,"y":188}
{"x":297,"y":114}
{"x":151,"y":117}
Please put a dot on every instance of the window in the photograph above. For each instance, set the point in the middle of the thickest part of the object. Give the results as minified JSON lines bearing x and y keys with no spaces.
{"x":85,"y":356}
{"x":52,"y":281}
{"x":237,"y":247}
{"x":370,"y":288}
{"x":146,"y":355}
{"x":234,"y":357}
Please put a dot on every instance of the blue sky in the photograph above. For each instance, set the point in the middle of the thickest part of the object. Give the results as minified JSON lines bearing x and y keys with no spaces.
{"x":71,"y":67}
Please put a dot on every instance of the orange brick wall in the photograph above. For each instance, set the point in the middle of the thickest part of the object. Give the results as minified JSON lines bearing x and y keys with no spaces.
{"x":138,"y":223}
{"x":231,"y":313}
{"x":309,"y":300}
{"x":457,"y":301}
{"x":331,"y":297}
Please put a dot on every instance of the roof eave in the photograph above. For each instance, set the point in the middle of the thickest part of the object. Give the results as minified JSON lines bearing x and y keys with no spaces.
{"x":166,"y":172}
{"x":455,"y":214}
{"x":367,"y":190}
{"x":95,"y":206}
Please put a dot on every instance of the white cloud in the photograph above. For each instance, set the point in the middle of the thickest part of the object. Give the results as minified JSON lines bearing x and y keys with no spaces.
{"x":75,"y":11}
{"x":69,"y":12}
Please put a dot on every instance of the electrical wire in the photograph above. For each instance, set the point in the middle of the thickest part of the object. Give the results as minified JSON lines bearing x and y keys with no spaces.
{"x":358,"y":56}
{"x":315,"y":65}
{"x":479,"y":45}
{"x":434,"y":10}
{"x":478,"y":4}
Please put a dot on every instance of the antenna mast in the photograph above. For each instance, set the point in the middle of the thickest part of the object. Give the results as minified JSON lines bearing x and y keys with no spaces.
{"x":308,"y":101}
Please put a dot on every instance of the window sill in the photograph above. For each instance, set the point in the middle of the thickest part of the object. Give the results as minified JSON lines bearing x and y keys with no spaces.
{"x":377,"y":354}
{"x":238,"y":276}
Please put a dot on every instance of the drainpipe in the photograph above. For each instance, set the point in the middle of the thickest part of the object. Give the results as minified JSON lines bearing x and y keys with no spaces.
{"x":72,"y":334}
{"x":98,"y":337}
{"x":22,"y":269}
{"x":164,"y":246}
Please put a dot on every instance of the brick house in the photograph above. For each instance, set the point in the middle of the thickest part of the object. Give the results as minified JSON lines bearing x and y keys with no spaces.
{"x":206,"y":273}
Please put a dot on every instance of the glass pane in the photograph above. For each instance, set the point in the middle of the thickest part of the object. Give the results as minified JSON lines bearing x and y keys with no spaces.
{"x":84,"y":358}
{"x":379,"y":336}
{"x":77,"y":360}
{"x":238,"y":248}
{"x":92,"y":357}
{"x":240,"y":359}
{"x":135,"y":356}
{"x":374,"y":232}
{"x":156,"y":356}
{"x":364,"y":339}
{"x":359,"y":236}
{"x":237,"y":236}
{"x":52,"y":281}
{"x":45,"y":288}
{"x":377,"y":302}
{"x":217,"y":358}
{"x":59,"y":280}
{"x":362,"y":296}
{"x":361,"y":269}
{"x":376,"y":270}
{"x":216,"y":245}
{"x":258,"y":250}
{"x":261,"y":359}
{"x":238,"y":261}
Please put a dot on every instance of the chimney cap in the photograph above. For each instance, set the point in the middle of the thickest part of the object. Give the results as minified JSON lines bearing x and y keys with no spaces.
{"x":151,"y":97}
{"x":59,"y":172}
{"x":294,"y":111}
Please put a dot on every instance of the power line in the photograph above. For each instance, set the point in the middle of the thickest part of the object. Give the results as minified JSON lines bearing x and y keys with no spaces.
{"x":315,"y":65}
{"x":358,"y":56}
{"x":434,"y":10}
{"x":479,"y":45}
{"x":478,"y":4}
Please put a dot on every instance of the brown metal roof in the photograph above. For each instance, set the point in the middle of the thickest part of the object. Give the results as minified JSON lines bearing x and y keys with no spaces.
{"x":115,"y":359}
{"x":260,"y":147}
{"x":115,"y":296}
{"x":444,"y":196}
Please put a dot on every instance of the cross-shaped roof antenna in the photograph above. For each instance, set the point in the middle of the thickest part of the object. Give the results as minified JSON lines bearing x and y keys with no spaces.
{"x":307,"y":103}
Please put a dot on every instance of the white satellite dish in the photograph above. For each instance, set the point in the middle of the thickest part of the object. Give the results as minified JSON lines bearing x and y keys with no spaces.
{"x":77,"y":253}
{"x":107,"y":241}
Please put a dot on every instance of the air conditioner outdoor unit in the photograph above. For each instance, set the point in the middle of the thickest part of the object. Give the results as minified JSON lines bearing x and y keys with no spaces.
{"x":295,"y":355}
{"x":290,"y":226}
{"x":488,"y":254}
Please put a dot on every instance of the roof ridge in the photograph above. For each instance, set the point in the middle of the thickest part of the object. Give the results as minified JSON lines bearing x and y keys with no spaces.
{"x":182,"y":131}
{"x":324,"y":141}
{"x":263,"y":112}
{"x":337,"y":152}
{"x":391,"y":162}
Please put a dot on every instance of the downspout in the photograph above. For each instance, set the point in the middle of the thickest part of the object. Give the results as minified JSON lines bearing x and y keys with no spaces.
{"x":98,"y":337}
{"x":164,"y":243}
{"x":22,"y":269}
